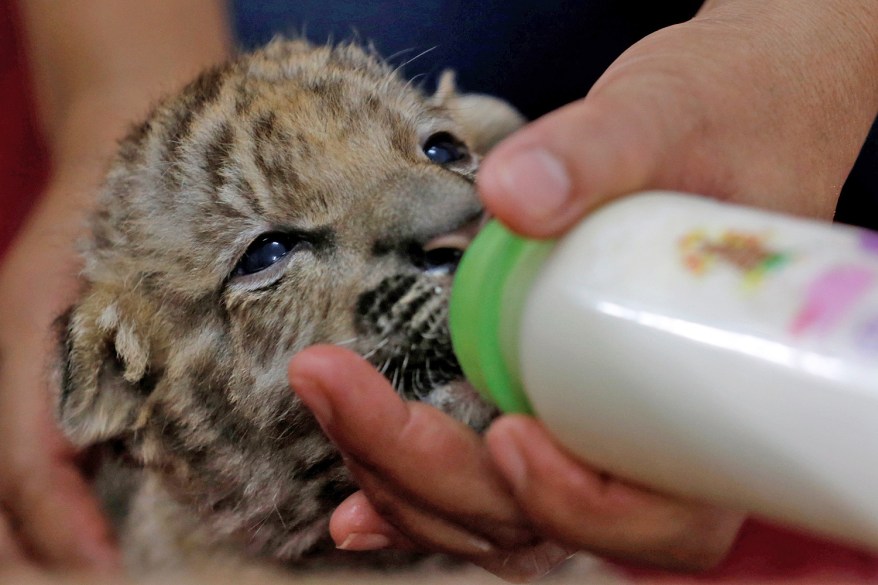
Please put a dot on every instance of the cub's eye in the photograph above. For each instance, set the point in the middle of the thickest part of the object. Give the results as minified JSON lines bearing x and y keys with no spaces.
{"x":442,"y":260}
{"x":265,"y":251}
{"x":442,"y":148}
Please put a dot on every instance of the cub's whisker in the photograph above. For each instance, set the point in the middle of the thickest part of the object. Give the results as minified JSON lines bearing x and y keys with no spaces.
{"x":377,"y":348}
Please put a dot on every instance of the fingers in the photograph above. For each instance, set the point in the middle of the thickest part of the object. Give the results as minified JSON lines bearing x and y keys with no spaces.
{"x":358,"y":526}
{"x":725,"y":105}
{"x":572,"y":504}
{"x":428,"y":483}
{"x":646,"y":124}
{"x":52,"y":518}
{"x":61,"y":522}
{"x":406,"y":452}
{"x":11,"y":551}
{"x":548,"y":175}
{"x":426,"y":479}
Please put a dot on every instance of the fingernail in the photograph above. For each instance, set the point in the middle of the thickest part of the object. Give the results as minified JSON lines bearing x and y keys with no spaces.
{"x":309,"y":392}
{"x":480,"y":545}
{"x":536,"y":181}
{"x":508,"y":457}
{"x":359,"y":541}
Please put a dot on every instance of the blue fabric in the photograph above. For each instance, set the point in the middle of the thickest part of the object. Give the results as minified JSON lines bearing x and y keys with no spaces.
{"x":538,"y":55}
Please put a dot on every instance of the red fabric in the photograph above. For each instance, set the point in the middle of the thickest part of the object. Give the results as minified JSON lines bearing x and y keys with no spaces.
{"x":774,"y":552}
{"x":23,"y":159}
{"x":769,"y":554}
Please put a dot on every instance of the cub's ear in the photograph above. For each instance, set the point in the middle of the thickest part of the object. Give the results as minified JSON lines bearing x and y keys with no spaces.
{"x":485,"y":120}
{"x":102,"y":370}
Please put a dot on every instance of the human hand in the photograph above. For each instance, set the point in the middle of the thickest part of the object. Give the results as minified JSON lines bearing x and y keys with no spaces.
{"x":515,"y":504}
{"x":762,"y":103}
{"x":96,"y":67}
{"x":48,"y":516}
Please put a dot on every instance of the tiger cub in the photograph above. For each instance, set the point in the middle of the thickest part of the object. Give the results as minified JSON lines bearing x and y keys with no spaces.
{"x":296,"y":195}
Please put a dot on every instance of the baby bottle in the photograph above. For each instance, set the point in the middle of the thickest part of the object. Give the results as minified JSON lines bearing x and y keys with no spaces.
{"x":706,"y":350}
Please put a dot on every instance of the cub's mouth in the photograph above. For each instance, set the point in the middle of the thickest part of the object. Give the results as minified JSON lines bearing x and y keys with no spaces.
{"x":406,"y":318}
{"x":403,"y":328}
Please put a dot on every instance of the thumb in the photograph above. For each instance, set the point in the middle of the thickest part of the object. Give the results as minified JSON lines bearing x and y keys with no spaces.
{"x":544,"y":178}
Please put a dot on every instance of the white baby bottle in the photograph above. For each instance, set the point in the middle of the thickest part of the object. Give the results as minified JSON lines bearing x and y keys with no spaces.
{"x":703,"y":349}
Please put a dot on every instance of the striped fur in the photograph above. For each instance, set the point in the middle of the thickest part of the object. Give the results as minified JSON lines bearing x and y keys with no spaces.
{"x":178,"y":363}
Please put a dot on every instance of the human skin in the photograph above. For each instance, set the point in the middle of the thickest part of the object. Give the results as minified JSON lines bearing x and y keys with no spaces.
{"x":97,"y":66}
{"x":761,"y":103}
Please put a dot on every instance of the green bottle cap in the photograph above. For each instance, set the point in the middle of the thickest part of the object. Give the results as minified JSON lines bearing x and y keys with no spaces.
{"x":489,"y":291}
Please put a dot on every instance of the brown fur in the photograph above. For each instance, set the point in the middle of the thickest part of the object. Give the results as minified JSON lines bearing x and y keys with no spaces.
{"x":177,"y":361}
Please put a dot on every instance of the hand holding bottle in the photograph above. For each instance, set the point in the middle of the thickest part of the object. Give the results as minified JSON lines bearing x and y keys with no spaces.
{"x":763,"y":104}
{"x":431,"y":483}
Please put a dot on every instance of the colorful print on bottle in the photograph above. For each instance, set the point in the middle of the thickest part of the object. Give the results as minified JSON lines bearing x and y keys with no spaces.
{"x":746,"y":252}
{"x":830,"y":297}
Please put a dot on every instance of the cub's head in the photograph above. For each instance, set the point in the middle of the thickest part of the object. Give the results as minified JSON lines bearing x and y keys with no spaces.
{"x":295,"y":196}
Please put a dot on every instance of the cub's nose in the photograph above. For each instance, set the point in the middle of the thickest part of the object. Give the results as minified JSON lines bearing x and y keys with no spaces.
{"x":442,"y":254}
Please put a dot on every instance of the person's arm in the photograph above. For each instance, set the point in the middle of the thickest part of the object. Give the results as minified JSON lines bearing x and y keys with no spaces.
{"x":97,"y":66}
{"x":763,"y":103}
